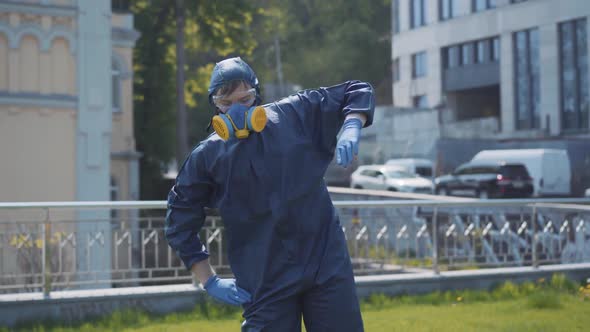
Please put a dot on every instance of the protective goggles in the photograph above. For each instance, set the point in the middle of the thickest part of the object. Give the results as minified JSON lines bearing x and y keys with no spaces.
{"x":245,"y":98}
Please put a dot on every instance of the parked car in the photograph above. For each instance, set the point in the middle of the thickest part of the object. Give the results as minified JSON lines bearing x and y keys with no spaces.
{"x":550,"y":168}
{"x":587,"y":193}
{"x":486,"y":180}
{"x":392,"y":178}
{"x":418,"y":166}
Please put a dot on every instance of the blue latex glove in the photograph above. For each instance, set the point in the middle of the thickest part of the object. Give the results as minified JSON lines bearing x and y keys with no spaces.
{"x":348,"y":144}
{"x":225,"y":290}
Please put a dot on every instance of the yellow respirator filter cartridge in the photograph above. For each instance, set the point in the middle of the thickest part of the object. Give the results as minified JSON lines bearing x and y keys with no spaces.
{"x":254,"y":120}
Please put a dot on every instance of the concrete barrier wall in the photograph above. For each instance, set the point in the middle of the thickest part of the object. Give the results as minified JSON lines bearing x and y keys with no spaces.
{"x":80,"y":305}
{"x":486,"y":279}
{"x":72,"y":306}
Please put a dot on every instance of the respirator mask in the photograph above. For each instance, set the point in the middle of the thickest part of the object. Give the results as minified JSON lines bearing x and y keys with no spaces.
{"x":238,"y":121}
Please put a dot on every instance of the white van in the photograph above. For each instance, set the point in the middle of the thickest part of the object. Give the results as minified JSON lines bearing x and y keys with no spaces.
{"x":418,"y":166}
{"x":549,"y":168}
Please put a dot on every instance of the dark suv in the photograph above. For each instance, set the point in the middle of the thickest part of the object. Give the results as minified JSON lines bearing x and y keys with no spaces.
{"x":486,"y":181}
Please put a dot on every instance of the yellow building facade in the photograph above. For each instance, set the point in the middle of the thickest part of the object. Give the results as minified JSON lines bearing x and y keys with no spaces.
{"x":48,"y":101}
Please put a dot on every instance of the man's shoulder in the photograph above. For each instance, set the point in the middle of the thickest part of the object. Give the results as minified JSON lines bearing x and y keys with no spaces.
{"x":213,"y":137}
{"x":285,"y":104}
{"x":209,"y":144}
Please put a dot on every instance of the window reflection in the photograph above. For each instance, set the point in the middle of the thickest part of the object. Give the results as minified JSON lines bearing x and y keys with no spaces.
{"x":526,"y":55}
{"x":574,"y":74}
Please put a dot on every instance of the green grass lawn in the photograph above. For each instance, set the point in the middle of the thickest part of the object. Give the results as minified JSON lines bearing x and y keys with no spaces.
{"x":556,"y":305}
{"x":504,"y":315}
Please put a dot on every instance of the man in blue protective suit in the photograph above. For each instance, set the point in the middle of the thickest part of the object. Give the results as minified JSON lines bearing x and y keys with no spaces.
{"x":263,"y":169}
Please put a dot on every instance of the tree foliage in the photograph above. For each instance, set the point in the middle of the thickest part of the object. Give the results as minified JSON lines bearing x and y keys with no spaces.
{"x":327,"y":42}
{"x":214,"y":29}
{"x":322,"y":43}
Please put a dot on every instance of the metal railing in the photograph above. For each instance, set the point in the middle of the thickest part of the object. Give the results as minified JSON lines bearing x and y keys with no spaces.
{"x":54,"y":246}
{"x":469,"y":234}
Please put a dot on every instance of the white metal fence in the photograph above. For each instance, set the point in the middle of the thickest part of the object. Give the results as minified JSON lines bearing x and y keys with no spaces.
{"x":51,"y":246}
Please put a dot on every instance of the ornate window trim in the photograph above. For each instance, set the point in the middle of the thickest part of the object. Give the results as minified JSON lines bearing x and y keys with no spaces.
{"x":45,"y":38}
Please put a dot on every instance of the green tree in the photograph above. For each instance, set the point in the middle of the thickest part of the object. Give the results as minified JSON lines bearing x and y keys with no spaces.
{"x":214,"y":29}
{"x":322,"y":43}
{"x":327,"y":42}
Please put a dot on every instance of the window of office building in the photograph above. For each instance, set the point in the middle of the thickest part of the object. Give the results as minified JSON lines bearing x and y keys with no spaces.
{"x":495,"y":49}
{"x":450,"y":57}
{"x":474,"y":52}
{"x":480,"y":51}
{"x":120,"y":6}
{"x":526,"y":59}
{"x":417,"y":13}
{"x":419,"y":65}
{"x":420,"y":101}
{"x":454,"y":56}
{"x":447,"y":9}
{"x":467,"y":54}
{"x":396,"y":73}
{"x":481,"y":5}
{"x":573,"y":55}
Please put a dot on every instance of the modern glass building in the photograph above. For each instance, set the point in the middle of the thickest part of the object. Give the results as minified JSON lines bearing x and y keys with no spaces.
{"x":523,"y":63}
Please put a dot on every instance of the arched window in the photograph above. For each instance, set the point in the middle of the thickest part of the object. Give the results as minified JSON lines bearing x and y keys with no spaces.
{"x":29,"y":63}
{"x":116,"y":82}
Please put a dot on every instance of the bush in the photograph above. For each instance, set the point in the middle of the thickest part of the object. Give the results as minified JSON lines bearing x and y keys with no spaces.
{"x":377,"y":302}
{"x":544,"y":299}
{"x":506,"y":291}
{"x":562,"y":283}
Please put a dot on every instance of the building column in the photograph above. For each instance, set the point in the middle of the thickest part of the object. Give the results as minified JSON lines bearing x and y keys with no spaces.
{"x":93,"y":144}
{"x":13,"y":57}
{"x":508,"y":114}
{"x":432,"y":11}
{"x":45,"y":61}
{"x":549,"y":79}
{"x":435,"y":88}
{"x":404,"y":15}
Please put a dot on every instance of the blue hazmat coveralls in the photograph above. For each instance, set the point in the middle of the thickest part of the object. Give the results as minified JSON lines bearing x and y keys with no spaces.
{"x":286,"y":244}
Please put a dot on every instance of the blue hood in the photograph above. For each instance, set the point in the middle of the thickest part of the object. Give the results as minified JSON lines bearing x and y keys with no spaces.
{"x":230,"y":70}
